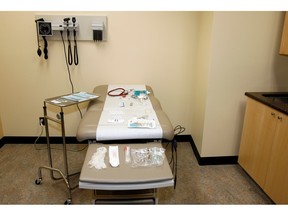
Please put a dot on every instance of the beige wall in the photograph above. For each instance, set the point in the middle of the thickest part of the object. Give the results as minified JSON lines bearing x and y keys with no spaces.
{"x":200,"y":77}
{"x":199,"y":64}
{"x":1,"y":128}
{"x":244,"y":57}
{"x":154,"y":48}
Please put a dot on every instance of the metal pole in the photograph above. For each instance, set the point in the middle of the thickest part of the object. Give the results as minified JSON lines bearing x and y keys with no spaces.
{"x":65,"y":153}
{"x":48,"y":139}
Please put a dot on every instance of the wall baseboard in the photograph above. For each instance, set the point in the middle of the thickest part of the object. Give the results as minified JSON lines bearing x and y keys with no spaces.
{"x":32,"y":139}
{"x":221,"y":160}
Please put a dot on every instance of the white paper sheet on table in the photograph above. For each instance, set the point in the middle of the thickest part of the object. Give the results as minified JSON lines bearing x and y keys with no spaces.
{"x":117,"y":111}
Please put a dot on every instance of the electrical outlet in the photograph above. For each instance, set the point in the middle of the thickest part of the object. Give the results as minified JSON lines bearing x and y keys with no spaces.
{"x":41,"y":121}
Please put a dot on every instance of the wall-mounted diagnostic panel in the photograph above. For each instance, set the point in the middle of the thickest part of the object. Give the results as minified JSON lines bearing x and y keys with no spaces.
{"x":92,"y":28}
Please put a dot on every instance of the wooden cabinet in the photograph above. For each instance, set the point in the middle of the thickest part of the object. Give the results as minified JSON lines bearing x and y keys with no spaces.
{"x":284,"y":38}
{"x":276,"y":185}
{"x":264,"y":149}
{"x":256,"y":140}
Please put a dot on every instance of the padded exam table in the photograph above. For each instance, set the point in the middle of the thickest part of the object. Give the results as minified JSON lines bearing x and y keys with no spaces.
{"x":87,"y":129}
{"x":123,"y":183}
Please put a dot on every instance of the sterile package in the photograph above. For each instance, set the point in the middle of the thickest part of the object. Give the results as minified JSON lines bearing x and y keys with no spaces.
{"x":127,"y":154}
{"x":140,"y":94}
{"x":141,"y":123}
{"x":114,"y":156}
{"x":137,"y":93}
{"x":147,"y":157}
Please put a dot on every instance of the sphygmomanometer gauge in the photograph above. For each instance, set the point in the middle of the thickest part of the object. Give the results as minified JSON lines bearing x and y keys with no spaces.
{"x":45,"y":28}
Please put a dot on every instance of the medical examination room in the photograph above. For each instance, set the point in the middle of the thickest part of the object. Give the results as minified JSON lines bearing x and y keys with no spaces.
{"x":144,"y":107}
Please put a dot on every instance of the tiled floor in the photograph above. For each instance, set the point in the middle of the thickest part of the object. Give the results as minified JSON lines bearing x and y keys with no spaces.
{"x":219,"y":184}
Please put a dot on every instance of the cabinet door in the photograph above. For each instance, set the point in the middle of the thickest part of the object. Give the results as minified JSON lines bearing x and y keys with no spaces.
{"x":257,"y":136}
{"x":276,"y":185}
{"x":284,"y":39}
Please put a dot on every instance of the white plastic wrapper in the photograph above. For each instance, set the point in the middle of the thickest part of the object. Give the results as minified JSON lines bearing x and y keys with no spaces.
{"x":97,"y":159}
{"x":147,"y":157}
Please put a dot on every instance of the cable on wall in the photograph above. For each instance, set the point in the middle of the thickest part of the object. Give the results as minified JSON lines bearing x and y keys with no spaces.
{"x":66,"y":61}
{"x":45,"y":50}
{"x":45,"y":148}
{"x":42,"y":30}
{"x":69,"y":73}
{"x":69,"y":51}
{"x":177,"y":130}
{"x":76,"y":60}
{"x":39,"y":52}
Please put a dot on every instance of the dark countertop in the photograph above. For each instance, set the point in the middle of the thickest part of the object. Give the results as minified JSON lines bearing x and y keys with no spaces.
{"x":270,"y":101}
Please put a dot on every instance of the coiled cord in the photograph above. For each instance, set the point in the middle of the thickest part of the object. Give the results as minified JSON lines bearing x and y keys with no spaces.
{"x":69,"y":73}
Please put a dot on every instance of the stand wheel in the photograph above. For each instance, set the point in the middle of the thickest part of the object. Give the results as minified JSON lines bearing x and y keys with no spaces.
{"x":68,"y":202}
{"x":38,"y":181}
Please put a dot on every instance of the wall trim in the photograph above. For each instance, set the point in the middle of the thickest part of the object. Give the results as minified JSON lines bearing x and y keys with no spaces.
{"x":220,"y":160}
{"x":2,"y":142}
{"x":32,"y":139}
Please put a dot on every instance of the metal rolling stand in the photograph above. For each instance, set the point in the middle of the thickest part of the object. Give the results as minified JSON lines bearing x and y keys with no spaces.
{"x":60,"y":120}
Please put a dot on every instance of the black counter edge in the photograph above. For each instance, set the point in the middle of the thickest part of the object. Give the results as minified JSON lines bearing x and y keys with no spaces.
{"x":259,"y":97}
{"x":221,"y":160}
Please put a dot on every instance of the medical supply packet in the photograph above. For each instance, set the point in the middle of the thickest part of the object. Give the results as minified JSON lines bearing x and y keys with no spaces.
{"x":147,"y":157}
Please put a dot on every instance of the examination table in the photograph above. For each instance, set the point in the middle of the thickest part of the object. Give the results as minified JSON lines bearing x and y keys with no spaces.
{"x":102,"y":125}
{"x":88,"y":125}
